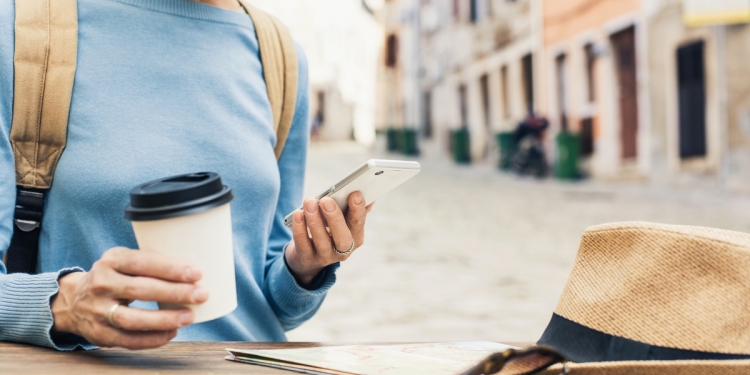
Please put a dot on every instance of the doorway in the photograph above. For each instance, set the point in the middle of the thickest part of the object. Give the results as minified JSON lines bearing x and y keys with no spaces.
{"x":527,"y":76}
{"x":691,"y":80}
{"x":427,"y":115}
{"x":484,"y":87}
{"x":504,"y":91}
{"x":623,"y":44}
{"x":562,"y":102}
{"x":463,"y":103}
{"x":391,"y":51}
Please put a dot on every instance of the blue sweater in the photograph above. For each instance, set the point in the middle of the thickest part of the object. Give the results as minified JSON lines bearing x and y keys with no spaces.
{"x":163,"y":87}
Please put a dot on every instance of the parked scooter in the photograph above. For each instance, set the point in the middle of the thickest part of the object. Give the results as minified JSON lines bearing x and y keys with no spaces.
{"x":529,"y":157}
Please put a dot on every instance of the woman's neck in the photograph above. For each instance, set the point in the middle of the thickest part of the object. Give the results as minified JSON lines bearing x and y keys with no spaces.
{"x":225,"y":4}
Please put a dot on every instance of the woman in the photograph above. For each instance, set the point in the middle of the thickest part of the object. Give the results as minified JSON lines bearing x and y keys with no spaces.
{"x":165,"y":87}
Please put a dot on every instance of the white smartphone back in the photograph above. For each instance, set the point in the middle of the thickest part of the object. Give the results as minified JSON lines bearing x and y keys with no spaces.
{"x":373,"y":179}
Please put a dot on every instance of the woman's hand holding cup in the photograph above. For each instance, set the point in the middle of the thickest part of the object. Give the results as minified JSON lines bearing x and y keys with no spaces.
{"x":86,"y":304}
{"x":315,"y":246}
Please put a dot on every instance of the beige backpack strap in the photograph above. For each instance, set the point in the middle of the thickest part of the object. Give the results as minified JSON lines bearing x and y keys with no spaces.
{"x":280,"y":69}
{"x":46,"y":43}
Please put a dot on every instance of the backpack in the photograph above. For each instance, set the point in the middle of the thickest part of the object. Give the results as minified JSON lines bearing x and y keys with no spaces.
{"x":46,"y":43}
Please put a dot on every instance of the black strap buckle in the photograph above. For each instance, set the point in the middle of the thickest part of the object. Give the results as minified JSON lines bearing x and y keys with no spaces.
{"x":27,"y":225}
{"x":29,"y":209}
{"x":24,"y":245}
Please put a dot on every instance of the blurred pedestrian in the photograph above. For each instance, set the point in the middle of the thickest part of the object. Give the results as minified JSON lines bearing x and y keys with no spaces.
{"x":529,"y":156}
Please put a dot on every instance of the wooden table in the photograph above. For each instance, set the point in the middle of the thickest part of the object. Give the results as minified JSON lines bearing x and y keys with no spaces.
{"x":174,"y":358}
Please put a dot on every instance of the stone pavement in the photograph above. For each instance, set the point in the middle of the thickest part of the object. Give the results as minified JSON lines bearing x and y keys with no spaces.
{"x":469,"y":253}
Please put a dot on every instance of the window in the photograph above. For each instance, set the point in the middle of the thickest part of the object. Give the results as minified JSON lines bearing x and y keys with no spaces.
{"x":391,"y":51}
{"x":504,"y":91}
{"x":479,"y":10}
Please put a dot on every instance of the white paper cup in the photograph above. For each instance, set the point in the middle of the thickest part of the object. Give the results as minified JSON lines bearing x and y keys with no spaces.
{"x":188,"y":217}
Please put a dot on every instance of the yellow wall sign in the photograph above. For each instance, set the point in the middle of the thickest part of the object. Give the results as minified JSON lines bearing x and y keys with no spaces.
{"x":715,"y":12}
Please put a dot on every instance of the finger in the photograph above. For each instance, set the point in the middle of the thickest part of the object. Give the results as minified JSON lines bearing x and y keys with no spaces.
{"x":131,"y":319}
{"x":369,"y":207}
{"x":107,"y":336}
{"x":145,"y":263}
{"x":150,"y":289}
{"x":302,"y":242}
{"x":355,"y":217}
{"x":342,"y":236}
{"x":314,"y":220}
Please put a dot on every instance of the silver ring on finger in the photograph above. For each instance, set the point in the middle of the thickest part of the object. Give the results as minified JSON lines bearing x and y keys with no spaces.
{"x":111,"y":315}
{"x":351,"y":248}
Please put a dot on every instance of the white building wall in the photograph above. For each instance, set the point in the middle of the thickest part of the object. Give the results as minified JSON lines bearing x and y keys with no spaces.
{"x":342,"y":43}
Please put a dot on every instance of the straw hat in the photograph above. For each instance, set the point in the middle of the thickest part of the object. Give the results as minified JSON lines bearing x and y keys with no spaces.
{"x":655,"y":299}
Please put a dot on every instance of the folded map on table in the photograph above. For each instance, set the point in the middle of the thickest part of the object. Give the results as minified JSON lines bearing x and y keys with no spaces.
{"x":402,"y":359}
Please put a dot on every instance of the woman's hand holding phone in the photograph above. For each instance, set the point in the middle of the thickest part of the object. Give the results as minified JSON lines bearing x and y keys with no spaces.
{"x":316,"y":246}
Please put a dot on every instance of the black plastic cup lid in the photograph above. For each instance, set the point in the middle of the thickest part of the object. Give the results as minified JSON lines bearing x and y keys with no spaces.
{"x":175,"y":196}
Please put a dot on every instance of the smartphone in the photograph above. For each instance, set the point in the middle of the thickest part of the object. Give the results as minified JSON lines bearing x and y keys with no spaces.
{"x":373,"y":179}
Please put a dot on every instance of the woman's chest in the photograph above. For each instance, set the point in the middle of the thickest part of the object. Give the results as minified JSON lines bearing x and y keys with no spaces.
{"x":127,"y":128}
{"x":159,"y":97}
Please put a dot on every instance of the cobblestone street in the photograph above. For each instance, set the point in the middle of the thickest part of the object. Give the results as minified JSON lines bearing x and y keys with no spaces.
{"x":469,"y":253}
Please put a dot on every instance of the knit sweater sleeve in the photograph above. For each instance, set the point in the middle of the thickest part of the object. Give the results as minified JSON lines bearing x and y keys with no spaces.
{"x":25,"y":314}
{"x":292,"y":303}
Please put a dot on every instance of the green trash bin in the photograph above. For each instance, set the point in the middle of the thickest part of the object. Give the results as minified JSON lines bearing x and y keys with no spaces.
{"x":460,"y":145}
{"x":408,"y":144}
{"x":393,"y":142}
{"x":506,"y":142}
{"x":568,"y":151}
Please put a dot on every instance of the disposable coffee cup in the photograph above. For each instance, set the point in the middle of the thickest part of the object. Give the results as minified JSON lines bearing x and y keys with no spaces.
{"x":187,"y":217}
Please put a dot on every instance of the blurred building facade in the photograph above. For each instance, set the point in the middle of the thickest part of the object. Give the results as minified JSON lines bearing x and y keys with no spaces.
{"x":654,"y":91}
{"x":341,"y":40}
{"x":594,"y":59}
{"x":699,"y":91}
{"x":400,"y":99}
{"x":458,"y":64}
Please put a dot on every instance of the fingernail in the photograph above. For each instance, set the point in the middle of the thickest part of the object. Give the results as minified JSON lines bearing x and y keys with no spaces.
{"x":311,"y":206}
{"x":186,"y":318}
{"x":200,"y":295}
{"x":188,"y":273}
{"x":328,"y":205}
{"x":358,"y":198}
